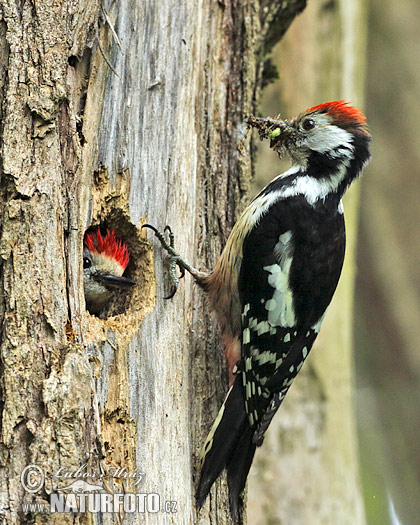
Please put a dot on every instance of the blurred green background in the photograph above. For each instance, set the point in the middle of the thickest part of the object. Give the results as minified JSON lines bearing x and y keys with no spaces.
{"x":387,"y":328}
{"x":387,"y":306}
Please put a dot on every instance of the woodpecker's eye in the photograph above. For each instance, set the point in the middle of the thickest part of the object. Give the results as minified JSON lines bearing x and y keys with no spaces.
{"x":308,"y":124}
{"x":87,"y":263}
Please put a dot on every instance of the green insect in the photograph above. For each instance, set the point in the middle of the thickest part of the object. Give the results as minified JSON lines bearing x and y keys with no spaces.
{"x":275,"y":133}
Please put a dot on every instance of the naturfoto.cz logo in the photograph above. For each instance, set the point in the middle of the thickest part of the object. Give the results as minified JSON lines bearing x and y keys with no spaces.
{"x":81,"y":496}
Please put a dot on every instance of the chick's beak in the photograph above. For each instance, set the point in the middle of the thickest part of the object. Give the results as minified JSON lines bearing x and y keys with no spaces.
{"x":114,"y":280}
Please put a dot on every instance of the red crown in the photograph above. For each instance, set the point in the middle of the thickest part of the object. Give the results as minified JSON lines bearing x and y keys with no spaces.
{"x":108,"y":245}
{"x":341,"y":110}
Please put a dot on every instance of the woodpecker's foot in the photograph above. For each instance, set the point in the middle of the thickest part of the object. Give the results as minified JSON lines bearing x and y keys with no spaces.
{"x":175,"y":260}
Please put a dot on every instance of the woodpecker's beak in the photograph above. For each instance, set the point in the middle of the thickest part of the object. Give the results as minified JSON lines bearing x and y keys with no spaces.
{"x":275,"y":130}
{"x":113,"y":280}
{"x":278,"y":131}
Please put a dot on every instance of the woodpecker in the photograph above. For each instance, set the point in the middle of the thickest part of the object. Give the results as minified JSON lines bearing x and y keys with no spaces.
{"x":104,"y":260}
{"x":276,"y":277}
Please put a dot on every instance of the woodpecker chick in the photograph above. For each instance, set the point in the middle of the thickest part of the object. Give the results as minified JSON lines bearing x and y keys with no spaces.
{"x":104,"y":261}
{"x":276,"y":277}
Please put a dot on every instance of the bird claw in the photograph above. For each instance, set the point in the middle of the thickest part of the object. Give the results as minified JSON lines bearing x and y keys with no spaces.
{"x":173,"y":263}
{"x":174,"y":259}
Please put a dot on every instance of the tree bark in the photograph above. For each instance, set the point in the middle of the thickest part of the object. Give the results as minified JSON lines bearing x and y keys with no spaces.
{"x":116,"y":130}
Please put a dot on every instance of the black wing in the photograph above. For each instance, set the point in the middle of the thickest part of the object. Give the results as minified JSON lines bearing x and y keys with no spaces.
{"x":288,"y":276}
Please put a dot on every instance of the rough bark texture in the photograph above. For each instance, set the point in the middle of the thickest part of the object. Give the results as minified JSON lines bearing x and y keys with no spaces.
{"x":307,"y":471}
{"x":161,"y":138}
{"x":48,"y":417}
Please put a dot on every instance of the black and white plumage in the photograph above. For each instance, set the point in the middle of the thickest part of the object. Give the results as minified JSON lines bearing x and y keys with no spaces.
{"x":281,"y":266}
{"x":275,"y":279}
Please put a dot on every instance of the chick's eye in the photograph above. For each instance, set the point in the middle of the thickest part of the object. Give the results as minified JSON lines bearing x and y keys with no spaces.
{"x":308,"y":124}
{"x":87,"y":263}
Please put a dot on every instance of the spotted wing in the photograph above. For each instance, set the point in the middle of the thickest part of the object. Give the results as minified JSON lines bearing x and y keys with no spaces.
{"x":275,"y":343}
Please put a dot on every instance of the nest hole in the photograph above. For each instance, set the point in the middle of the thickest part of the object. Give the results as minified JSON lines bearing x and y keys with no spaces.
{"x":126,"y":299}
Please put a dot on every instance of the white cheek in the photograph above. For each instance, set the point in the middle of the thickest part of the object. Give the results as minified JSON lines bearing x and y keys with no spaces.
{"x":329,"y":137}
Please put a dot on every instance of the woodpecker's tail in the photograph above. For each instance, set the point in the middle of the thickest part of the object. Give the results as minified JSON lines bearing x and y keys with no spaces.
{"x":229,"y":445}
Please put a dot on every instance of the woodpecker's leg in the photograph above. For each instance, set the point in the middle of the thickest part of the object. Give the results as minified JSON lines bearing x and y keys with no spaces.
{"x":173,"y":264}
{"x":175,"y":260}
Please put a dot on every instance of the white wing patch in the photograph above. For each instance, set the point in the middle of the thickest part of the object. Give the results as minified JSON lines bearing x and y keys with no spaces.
{"x":317,"y":326}
{"x":246,"y":336}
{"x":280,"y":306}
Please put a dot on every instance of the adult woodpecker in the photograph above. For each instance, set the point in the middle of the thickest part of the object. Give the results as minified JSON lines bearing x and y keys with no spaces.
{"x":276,"y":277}
{"x":104,"y":260}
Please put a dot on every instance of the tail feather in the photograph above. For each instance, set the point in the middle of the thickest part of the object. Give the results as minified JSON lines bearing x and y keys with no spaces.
{"x":237,"y":470}
{"x":221,"y":443}
{"x":267,"y":417}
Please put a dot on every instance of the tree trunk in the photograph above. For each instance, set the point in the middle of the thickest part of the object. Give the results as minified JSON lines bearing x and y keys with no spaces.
{"x":99,"y":129}
{"x":308,"y":470}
